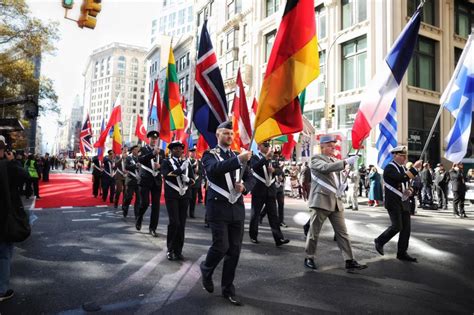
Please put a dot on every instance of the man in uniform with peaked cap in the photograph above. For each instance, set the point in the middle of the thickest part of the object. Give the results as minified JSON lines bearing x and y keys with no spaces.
{"x":225,"y":210}
{"x":397,"y":192}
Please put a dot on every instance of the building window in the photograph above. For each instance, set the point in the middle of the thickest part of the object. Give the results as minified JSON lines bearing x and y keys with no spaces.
{"x":464,"y":17}
{"x":172,"y":20}
{"x":232,"y":39}
{"x":346,"y":114}
{"x":422,"y":68}
{"x":353,"y":12}
{"x":322,"y":64}
{"x":187,"y":83}
{"x":421,"y":117}
{"x":321,"y":21}
{"x":457,"y":55}
{"x":181,"y":15}
{"x":230,"y":68}
{"x":244,"y":35}
{"x":272,"y":6}
{"x":230,"y":98}
{"x":190,"y":14}
{"x":269,"y":39}
{"x":187,"y":59}
{"x":354,"y":58}
{"x":233,"y":7}
{"x":429,"y":10}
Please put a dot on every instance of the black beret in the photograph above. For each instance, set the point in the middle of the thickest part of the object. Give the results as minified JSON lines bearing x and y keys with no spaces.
{"x":110,"y":151}
{"x":225,"y":125}
{"x":175,"y":144}
{"x":133,"y":147}
{"x":192,"y":149}
{"x":153,"y":133}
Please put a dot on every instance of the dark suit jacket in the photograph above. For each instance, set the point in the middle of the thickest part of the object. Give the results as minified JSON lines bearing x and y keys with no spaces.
{"x":199,"y":174}
{"x":426,"y":177}
{"x":131,"y":167}
{"x":395,"y":176}
{"x":96,"y":162}
{"x":171,"y":175}
{"x":108,"y":167}
{"x":145,"y":157}
{"x":257,"y":163}
{"x":217,"y":206}
{"x":458,"y":182}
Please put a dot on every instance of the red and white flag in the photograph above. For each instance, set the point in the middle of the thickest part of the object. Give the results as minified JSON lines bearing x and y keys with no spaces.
{"x":140,"y":130}
{"x":241,"y":118}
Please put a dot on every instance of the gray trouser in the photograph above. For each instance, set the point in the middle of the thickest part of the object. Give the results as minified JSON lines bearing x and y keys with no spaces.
{"x":336,"y":218}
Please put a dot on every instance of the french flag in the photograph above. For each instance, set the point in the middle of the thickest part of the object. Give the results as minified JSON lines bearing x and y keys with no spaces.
{"x":380,"y":93}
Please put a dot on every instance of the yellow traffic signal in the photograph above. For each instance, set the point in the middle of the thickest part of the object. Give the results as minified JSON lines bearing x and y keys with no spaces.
{"x":332,"y":111}
{"x":89,"y":11}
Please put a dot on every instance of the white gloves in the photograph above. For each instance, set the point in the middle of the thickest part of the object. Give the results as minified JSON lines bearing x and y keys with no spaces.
{"x":185,"y":165}
{"x":352,"y":159}
{"x":185,"y":178}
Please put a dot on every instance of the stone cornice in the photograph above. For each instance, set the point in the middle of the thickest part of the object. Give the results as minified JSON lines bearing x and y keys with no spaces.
{"x":423,"y":92}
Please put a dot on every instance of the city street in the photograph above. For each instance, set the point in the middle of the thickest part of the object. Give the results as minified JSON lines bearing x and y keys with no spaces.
{"x":86,"y":258}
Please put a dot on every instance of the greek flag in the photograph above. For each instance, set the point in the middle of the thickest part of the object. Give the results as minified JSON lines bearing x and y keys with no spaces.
{"x":458,"y":98}
{"x":388,"y":137}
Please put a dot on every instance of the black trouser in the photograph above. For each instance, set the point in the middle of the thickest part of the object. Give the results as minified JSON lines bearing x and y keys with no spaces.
{"x":270,"y":207}
{"x":226,"y":243}
{"x":192,"y":202}
{"x":46,"y":175}
{"x":128,"y":196}
{"x":458,"y":202}
{"x":280,"y":198}
{"x":79,"y":169}
{"x":401,"y":222}
{"x":442,"y":192}
{"x":32,"y":187}
{"x":145,"y":191}
{"x":95,"y":184}
{"x":177,"y":209}
{"x":108,"y":184}
{"x":199,"y":192}
{"x":120,"y":187}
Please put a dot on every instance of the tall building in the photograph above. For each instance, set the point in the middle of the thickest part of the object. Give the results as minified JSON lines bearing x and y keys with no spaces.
{"x":113,"y":70}
{"x":75,"y":123}
{"x":176,"y":18}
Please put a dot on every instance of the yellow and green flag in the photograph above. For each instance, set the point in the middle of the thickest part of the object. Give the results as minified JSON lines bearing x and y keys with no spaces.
{"x":171,"y":98}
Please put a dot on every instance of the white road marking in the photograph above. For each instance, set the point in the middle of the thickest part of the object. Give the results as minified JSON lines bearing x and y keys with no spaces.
{"x":74,"y":211}
{"x":101,"y":206}
{"x":66,"y":207}
{"x":80,"y":220}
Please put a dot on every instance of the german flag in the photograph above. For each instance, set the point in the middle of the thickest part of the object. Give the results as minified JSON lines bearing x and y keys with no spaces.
{"x":293,"y":64}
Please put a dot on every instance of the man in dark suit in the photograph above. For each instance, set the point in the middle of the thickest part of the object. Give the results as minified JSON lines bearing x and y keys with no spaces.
{"x":120,"y":175}
{"x":198,"y":173}
{"x":225,"y":209}
{"x":458,"y":186}
{"x":441,"y":186}
{"x":131,"y":182}
{"x":264,"y":194}
{"x":178,"y":175}
{"x":427,"y":181}
{"x":108,"y":182}
{"x":150,"y":181}
{"x":96,"y":175}
{"x":397,"y":193}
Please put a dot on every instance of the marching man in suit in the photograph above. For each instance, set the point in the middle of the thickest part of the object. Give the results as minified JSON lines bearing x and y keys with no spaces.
{"x":178,"y":175}
{"x":120,"y":175}
{"x":198,"y":173}
{"x":131,"y":182}
{"x":397,"y":193}
{"x":225,"y":210}
{"x":325,"y":201}
{"x":150,"y":159}
{"x":96,"y":175}
{"x":108,"y":182}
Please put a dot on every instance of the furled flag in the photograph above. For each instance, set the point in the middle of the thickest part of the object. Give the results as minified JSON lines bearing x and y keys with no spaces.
{"x":140,"y":130}
{"x":101,"y":149}
{"x":114,"y":120}
{"x":85,"y":137}
{"x":210,"y":104}
{"x":289,"y":146}
{"x":388,"y":137}
{"x":253,"y":112}
{"x":240,"y":117}
{"x":293,"y":64}
{"x":458,"y":98}
{"x":155,"y":106}
{"x":380,"y":93}
{"x":171,"y":97}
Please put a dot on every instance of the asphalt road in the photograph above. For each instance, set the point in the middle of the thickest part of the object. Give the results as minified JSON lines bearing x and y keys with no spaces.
{"x":84,"y":258}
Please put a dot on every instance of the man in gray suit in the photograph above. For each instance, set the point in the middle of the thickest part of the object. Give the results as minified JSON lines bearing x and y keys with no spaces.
{"x":327,"y":188}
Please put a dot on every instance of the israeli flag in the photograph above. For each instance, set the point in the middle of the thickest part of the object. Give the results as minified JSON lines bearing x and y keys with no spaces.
{"x":388,"y":137}
{"x":458,"y":98}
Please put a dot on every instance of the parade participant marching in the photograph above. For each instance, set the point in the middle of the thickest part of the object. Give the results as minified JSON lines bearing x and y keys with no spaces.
{"x":108,"y":182}
{"x":264,"y":194}
{"x":120,"y":175}
{"x":225,"y":209}
{"x":325,"y":202}
{"x":96,"y":176}
{"x":198,"y":173}
{"x":131,"y":182}
{"x":397,"y":193}
{"x":150,"y":181}
{"x":178,"y":175}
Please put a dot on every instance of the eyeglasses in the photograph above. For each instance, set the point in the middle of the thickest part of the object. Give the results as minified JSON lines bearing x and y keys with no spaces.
{"x":266,"y":144}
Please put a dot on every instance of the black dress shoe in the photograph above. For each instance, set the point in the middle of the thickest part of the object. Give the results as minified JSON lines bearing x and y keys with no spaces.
{"x":309,"y":263}
{"x":171,"y":256}
{"x":281,"y":242}
{"x":352,"y":264}
{"x":254,"y":240}
{"x":153,"y":233}
{"x":283,"y":224}
{"x":138,"y":226}
{"x":464,"y":216}
{"x":378,"y":247}
{"x":207,"y":283}
{"x":406,"y":257}
{"x":179,"y":256}
{"x":233,"y":300}
{"x":192,"y":217}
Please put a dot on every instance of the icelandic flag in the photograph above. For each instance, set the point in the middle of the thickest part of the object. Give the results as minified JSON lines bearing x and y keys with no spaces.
{"x":210,"y":104}
{"x":380,"y":93}
{"x":458,"y":98}
{"x":388,"y":137}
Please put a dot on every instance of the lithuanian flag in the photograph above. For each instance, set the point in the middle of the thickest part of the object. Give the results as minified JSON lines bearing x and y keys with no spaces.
{"x":293,"y":64}
{"x":171,"y":98}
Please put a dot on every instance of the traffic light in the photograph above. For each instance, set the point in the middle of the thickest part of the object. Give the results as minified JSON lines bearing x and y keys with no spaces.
{"x":89,"y":11}
{"x":67,"y":4}
{"x":332,"y":111}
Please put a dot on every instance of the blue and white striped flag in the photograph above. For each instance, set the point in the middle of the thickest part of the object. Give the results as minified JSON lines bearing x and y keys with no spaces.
{"x":458,"y":98}
{"x":388,"y":137}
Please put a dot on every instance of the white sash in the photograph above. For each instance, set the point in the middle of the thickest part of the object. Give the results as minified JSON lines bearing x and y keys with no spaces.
{"x":403,"y":195}
{"x":268,"y":181}
{"x":231,"y":195}
{"x":97,"y":167}
{"x":111,"y":174}
{"x":181,"y":188}
{"x":134,"y":174}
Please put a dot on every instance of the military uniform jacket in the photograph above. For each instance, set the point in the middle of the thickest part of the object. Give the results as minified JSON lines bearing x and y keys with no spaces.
{"x":264,"y":181}
{"x":458,"y":182}
{"x":198,"y":172}
{"x":175,"y":178}
{"x":216,"y":164}
{"x":119,"y":168}
{"x":131,"y":165}
{"x":108,"y":172}
{"x":326,"y":183}
{"x":145,"y":158}
{"x":396,"y":176}
{"x":96,"y":169}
